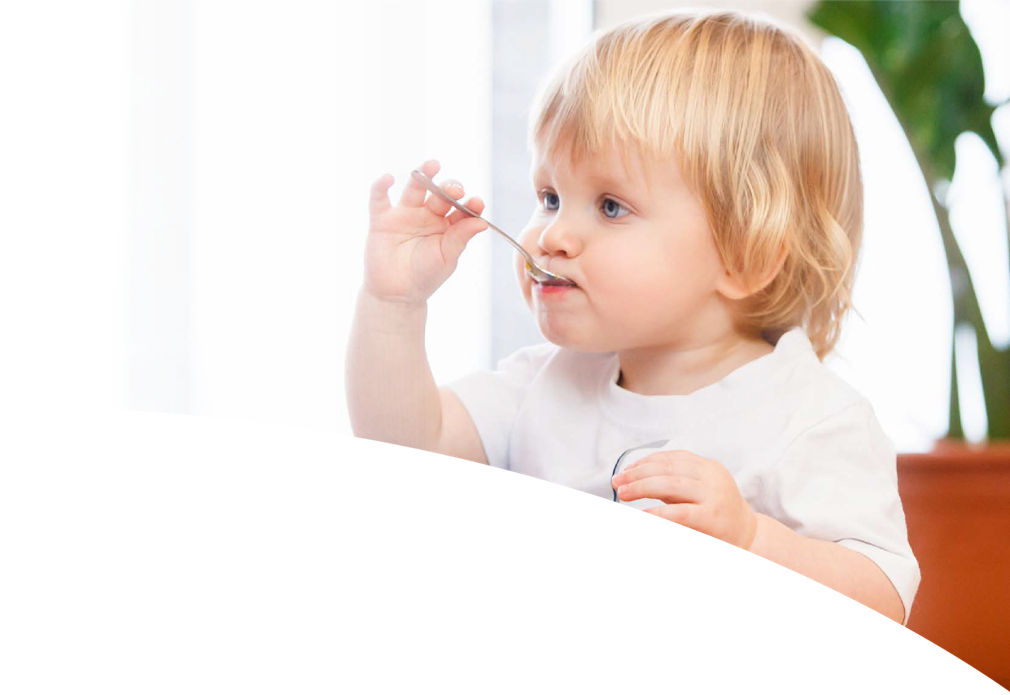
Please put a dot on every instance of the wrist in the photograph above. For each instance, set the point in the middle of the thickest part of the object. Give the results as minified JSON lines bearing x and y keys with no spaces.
{"x":390,"y":315}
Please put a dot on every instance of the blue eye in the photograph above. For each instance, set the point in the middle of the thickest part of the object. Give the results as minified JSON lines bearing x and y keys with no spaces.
{"x":612,"y":209}
{"x":550,"y":200}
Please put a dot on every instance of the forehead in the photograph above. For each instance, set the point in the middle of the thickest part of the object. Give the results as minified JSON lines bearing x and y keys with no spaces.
{"x":618,"y":166}
{"x":613,"y":163}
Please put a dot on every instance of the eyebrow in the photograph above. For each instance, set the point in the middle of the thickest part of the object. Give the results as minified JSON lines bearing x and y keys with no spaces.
{"x":598,"y":179}
{"x":540,"y":171}
{"x":606,"y":180}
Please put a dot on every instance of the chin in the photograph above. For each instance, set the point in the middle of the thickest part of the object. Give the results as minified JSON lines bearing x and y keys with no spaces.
{"x":555,"y":334}
{"x":573,"y":339}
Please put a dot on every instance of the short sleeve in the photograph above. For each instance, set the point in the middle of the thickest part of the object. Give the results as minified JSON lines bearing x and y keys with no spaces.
{"x":493,"y":398}
{"x":837,"y":481}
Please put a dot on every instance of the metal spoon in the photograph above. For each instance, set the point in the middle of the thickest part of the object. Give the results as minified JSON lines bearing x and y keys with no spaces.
{"x":544,"y":277}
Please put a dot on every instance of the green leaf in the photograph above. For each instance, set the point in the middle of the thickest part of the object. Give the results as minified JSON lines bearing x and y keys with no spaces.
{"x":927,"y":65}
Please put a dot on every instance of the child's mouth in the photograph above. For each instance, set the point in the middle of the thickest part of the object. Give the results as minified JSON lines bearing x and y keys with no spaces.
{"x":555,"y":282}
{"x":553,"y":288}
{"x":544,"y":288}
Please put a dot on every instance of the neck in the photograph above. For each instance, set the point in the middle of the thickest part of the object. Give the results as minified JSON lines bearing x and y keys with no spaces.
{"x":684,"y":368}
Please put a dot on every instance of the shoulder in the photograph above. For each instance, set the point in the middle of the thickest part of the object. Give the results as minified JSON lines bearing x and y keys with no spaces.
{"x":832,"y":425}
{"x":528,"y":357}
{"x":539,"y":366}
{"x":815,"y":395}
{"x":527,"y":363}
{"x":833,"y":451}
{"x":549,"y":360}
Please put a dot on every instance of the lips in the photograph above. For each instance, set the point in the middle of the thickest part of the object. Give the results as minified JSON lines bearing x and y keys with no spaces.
{"x":556,"y":283}
{"x":550,"y":283}
{"x":553,"y":285}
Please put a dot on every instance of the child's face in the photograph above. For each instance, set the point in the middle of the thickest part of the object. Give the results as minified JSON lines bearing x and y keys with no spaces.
{"x":636,"y":241}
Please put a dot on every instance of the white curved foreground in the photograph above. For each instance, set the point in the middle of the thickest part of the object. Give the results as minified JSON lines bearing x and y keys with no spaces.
{"x":147,"y":553}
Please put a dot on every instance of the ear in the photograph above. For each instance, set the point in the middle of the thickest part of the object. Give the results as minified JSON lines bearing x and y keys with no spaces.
{"x":736,"y":287}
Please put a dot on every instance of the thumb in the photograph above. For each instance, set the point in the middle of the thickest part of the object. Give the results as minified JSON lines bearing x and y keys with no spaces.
{"x":458,"y":235}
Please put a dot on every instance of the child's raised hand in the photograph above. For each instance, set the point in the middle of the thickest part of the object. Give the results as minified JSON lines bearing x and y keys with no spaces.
{"x":413,"y":246}
{"x":698,"y":493}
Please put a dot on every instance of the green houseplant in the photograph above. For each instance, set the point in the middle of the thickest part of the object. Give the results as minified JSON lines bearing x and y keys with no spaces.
{"x":930,"y":70}
{"x":956,"y":498}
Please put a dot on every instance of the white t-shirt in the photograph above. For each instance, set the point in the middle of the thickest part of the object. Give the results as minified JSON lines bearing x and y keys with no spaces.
{"x":803,"y":446}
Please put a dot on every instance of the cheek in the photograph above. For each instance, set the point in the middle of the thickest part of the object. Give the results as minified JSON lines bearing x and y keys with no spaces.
{"x":627,"y":271}
{"x":642,"y":281}
{"x":528,"y":238}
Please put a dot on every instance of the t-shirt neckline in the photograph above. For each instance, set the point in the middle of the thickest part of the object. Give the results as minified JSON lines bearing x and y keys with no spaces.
{"x":738,"y":388}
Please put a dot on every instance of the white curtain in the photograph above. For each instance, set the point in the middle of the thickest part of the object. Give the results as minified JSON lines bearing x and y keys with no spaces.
{"x":184,"y":190}
{"x":65,"y":193}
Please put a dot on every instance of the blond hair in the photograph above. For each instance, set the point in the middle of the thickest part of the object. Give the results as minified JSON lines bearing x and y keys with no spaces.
{"x":759,"y":129}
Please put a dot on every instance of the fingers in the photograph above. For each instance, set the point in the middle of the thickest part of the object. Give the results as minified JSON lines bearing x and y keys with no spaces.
{"x":683,"y":514}
{"x":680,"y":463}
{"x":378,"y":200}
{"x":414,"y":192}
{"x":459,"y":234}
{"x":462,"y":228}
{"x":671,"y":489}
{"x":453,"y":189}
{"x":474,"y":203}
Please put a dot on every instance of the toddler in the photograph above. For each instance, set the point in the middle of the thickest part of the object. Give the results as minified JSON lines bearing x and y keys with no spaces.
{"x":698,"y":182}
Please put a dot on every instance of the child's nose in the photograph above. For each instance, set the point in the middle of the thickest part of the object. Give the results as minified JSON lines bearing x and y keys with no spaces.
{"x":560,"y":238}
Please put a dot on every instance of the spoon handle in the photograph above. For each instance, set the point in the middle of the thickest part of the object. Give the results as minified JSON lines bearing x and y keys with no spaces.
{"x":437,"y":190}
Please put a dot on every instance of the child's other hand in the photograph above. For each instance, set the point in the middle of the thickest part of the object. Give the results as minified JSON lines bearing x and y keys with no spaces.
{"x":698,"y":493}
{"x":413,"y":247}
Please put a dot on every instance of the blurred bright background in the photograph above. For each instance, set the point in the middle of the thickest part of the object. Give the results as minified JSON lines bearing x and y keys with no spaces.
{"x":183,"y":191}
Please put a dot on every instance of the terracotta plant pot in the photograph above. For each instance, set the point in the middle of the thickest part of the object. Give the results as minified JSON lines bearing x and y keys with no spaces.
{"x":957,"y":505}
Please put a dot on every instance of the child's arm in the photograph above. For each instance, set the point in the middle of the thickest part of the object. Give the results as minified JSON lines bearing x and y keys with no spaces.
{"x":411,"y":249}
{"x":702,"y":494}
{"x":841,"y":568}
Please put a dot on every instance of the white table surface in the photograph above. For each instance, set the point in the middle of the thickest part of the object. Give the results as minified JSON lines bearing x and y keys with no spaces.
{"x":147,"y":553}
